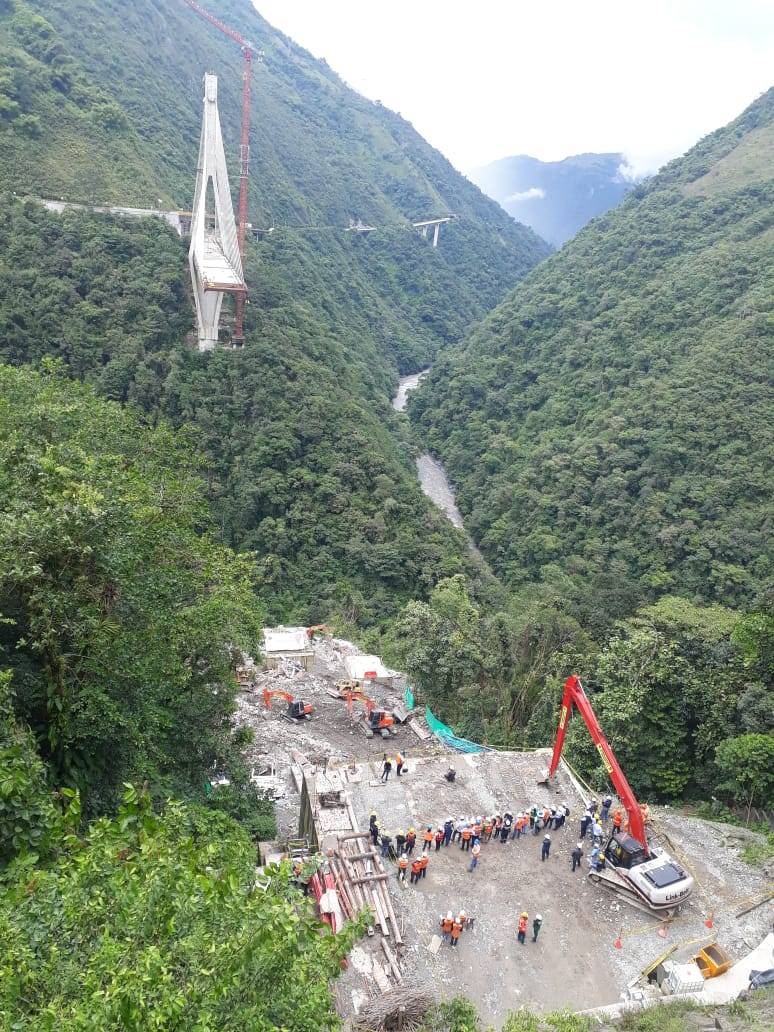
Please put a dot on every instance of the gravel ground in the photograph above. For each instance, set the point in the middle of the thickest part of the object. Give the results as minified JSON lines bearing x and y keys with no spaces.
{"x":574,"y":962}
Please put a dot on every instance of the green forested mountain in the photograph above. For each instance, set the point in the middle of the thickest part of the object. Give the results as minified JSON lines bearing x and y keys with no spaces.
{"x":609,"y":425}
{"x":307,"y":462}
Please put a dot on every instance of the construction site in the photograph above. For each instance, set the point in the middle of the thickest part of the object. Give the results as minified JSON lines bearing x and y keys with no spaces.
{"x":598,"y":950}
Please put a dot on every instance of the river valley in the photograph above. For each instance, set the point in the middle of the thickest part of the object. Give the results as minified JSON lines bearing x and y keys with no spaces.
{"x":432,"y":476}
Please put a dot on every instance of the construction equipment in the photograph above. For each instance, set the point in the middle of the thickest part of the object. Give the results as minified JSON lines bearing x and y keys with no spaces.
{"x":249,"y":51}
{"x":712,"y":960}
{"x":645,"y":876}
{"x":374,"y":720}
{"x":297,"y":709}
{"x":316,"y":629}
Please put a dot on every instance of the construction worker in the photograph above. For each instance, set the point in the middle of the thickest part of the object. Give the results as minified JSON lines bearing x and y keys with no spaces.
{"x":386,"y":841}
{"x":506,"y":827}
{"x":476,"y":830}
{"x":438,"y":839}
{"x":373,"y":830}
{"x":416,"y":870}
{"x":522,"y":933}
{"x":593,"y":807}
{"x":538,"y":921}
{"x":400,"y":843}
{"x":537,"y":826}
{"x":448,"y":829}
{"x":546,"y":847}
{"x":398,"y":763}
{"x":456,"y":931}
{"x":593,"y":858}
{"x":427,"y":839}
{"x":402,"y":867}
{"x":411,"y":840}
{"x":467,"y":834}
{"x":458,"y":829}
{"x":474,"y":854}
{"x":424,"y":860}
{"x":596,"y":832}
{"x":446,"y":926}
{"x":532,"y":816}
{"x":463,"y":919}
{"x":585,"y":822}
{"x":607,"y":802}
{"x":617,"y":821}
{"x":498,"y":823}
{"x":546,"y":817}
{"x":386,"y":767}
{"x":486,"y":829}
{"x":577,"y":855}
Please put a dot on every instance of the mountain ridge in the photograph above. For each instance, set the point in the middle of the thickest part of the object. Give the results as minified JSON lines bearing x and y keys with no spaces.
{"x":555,"y":198}
{"x":605,"y":425}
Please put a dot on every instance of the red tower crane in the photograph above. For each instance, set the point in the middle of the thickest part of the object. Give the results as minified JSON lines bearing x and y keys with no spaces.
{"x":248,"y":52}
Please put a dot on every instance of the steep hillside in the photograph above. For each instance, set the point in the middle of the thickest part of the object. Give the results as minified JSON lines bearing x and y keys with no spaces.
{"x":555,"y":198}
{"x":308,"y":465}
{"x":609,"y":425}
{"x":102,"y":102}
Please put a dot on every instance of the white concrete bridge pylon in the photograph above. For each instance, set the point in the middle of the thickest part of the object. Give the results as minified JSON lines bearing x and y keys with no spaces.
{"x":216,"y":265}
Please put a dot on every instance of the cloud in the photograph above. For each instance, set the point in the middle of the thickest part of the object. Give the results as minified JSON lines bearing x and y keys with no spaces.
{"x":527,"y":195}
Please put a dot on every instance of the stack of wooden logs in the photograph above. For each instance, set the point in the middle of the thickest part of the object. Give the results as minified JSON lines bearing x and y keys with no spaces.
{"x":361,"y":879}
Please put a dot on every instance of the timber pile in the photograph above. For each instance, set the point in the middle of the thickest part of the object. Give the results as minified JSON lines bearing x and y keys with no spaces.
{"x":361,"y":878}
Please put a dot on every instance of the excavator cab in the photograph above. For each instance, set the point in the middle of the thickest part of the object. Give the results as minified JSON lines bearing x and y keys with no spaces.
{"x":299,"y":710}
{"x":379,"y":718}
{"x":625,"y":851}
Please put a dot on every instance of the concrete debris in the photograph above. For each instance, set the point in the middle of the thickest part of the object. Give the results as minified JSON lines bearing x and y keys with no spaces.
{"x":574,"y":963}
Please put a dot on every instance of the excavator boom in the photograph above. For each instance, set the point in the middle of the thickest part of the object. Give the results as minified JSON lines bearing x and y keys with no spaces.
{"x":574,"y":695}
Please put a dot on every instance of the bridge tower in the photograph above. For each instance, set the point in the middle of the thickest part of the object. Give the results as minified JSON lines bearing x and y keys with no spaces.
{"x":214,"y":255}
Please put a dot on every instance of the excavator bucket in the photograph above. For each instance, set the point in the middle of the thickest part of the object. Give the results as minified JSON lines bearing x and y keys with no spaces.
{"x":544,"y":778}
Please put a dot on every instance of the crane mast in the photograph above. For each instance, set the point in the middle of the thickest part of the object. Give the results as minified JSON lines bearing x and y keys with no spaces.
{"x":574,"y":695}
{"x":248,"y":50}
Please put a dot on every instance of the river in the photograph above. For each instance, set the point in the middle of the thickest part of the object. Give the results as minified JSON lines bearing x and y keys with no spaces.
{"x":432,"y":475}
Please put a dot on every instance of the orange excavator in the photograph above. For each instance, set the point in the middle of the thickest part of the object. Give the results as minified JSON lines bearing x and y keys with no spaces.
{"x":375,"y":720}
{"x":297,"y":709}
{"x":644,"y":875}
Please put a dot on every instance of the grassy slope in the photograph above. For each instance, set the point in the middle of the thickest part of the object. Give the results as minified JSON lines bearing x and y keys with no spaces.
{"x":609,"y":425}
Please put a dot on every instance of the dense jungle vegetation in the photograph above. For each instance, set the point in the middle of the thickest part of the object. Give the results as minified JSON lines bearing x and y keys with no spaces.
{"x":608,"y":427}
{"x":306,"y":462}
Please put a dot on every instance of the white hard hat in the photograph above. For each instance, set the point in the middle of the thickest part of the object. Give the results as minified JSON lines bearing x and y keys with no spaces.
{"x":538,"y":917}
{"x":580,"y":845}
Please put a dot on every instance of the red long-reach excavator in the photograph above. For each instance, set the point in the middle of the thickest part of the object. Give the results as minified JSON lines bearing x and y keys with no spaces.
{"x":642,"y":874}
{"x":297,"y":709}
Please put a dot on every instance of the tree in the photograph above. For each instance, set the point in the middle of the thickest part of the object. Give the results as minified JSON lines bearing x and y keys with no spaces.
{"x":122,"y":616}
{"x":155,"y":922}
{"x":746,"y":766}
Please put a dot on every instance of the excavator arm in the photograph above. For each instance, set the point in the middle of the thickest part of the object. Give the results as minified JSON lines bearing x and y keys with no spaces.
{"x":574,"y":695}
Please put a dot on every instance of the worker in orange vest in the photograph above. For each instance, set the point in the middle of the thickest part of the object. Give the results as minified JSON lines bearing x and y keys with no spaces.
{"x":617,"y":821}
{"x":456,"y":931}
{"x":398,"y":763}
{"x":424,"y":860}
{"x":402,"y":867}
{"x":416,"y":870}
{"x":438,"y":839}
{"x":411,"y":839}
{"x":523,"y":927}
{"x":427,"y":843}
{"x":486,"y":830}
{"x":466,"y":836}
{"x":446,"y":926}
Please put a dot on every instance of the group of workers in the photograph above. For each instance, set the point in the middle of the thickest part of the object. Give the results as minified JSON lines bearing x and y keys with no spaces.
{"x":470,"y":833}
{"x":452,"y":927}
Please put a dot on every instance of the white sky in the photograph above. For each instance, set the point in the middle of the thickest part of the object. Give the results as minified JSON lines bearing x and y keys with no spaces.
{"x":484,"y":79}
